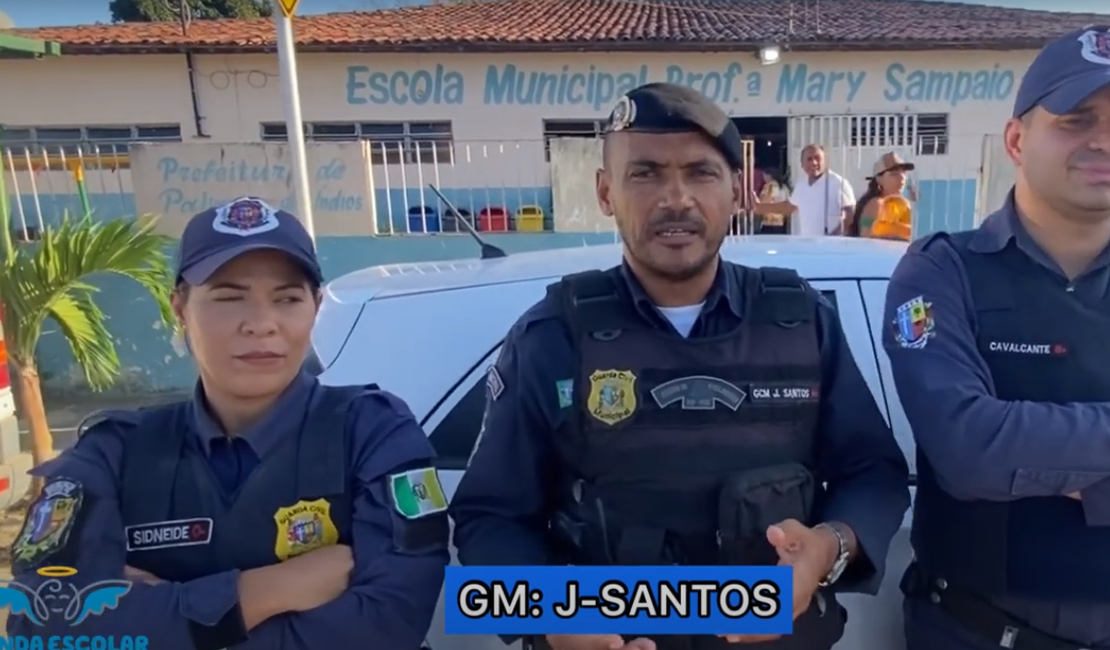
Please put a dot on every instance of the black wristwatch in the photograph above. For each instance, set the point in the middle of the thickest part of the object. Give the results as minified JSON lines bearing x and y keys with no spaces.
{"x":841,"y":562}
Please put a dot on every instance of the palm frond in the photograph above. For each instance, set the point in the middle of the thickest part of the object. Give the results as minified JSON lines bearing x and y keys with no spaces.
{"x":51,"y":278}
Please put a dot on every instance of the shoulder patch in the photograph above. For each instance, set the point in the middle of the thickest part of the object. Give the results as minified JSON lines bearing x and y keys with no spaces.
{"x":565,"y":390}
{"x":913,"y":323}
{"x":494,"y":382}
{"x":50,"y":521}
{"x":417,"y":493}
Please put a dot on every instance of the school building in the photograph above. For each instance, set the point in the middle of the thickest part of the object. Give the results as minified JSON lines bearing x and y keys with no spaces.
{"x":499,"y":105}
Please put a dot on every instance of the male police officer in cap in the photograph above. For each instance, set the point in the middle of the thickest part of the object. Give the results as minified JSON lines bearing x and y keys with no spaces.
{"x":648,"y":412}
{"x":268,"y":511}
{"x":997,"y":342}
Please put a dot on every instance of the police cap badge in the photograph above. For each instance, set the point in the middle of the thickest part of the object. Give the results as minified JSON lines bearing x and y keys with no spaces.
{"x":1067,"y":72}
{"x":670,"y":108}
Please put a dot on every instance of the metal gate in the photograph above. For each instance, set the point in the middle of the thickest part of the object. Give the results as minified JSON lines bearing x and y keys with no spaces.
{"x":945,"y":184}
{"x":852,"y":143}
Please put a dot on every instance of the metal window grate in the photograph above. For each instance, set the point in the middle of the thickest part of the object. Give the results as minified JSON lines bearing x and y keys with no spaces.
{"x":392,"y":142}
{"x":588,"y":129}
{"x":84,"y":140}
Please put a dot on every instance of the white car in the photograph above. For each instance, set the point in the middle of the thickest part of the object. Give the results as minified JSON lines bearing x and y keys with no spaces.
{"x":429,"y":331}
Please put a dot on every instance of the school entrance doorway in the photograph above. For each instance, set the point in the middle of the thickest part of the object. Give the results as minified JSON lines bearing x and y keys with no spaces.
{"x":769,"y":137}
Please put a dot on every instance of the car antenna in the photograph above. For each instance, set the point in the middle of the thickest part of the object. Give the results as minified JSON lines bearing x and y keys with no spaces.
{"x":489,"y":251}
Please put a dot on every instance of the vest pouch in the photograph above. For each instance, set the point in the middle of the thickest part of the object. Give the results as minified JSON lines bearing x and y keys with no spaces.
{"x":752,"y":501}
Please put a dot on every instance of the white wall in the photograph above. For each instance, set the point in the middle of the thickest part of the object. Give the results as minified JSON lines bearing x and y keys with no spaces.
{"x":237,"y":92}
{"x":497,"y":104}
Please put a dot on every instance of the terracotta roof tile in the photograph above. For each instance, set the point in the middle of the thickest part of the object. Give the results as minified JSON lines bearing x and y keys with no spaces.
{"x":538,"y":25}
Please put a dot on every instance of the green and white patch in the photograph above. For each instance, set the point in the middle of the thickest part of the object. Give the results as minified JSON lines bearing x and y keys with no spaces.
{"x":417,"y":493}
{"x":565,"y":388}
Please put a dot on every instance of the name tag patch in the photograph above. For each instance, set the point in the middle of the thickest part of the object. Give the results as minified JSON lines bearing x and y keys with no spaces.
{"x":1029,"y":349}
{"x":784,"y":393}
{"x":169,"y":534}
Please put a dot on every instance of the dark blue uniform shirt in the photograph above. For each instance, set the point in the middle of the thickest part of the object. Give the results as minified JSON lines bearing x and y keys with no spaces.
{"x":502,"y":504}
{"x":982,"y":447}
{"x":232,"y":459}
{"x":392,"y":595}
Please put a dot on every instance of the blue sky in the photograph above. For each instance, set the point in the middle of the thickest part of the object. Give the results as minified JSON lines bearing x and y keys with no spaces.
{"x":36,"y":13}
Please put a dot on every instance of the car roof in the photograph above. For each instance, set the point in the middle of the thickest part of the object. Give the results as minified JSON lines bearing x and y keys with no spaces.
{"x":812,"y":257}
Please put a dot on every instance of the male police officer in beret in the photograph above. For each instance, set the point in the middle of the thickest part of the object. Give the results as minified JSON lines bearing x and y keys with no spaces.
{"x":268,"y":511}
{"x":998,"y":345}
{"x":648,"y":413}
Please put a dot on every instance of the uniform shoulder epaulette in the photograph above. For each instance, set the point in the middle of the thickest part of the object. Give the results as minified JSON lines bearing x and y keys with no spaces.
{"x":544,"y":310}
{"x":343,"y":397}
{"x":957,"y":240}
{"x":928,"y":241}
{"x":352,"y":392}
{"x":119,"y":417}
{"x":130,"y":420}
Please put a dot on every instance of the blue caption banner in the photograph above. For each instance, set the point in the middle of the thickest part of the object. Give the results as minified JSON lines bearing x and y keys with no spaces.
{"x":627,"y":600}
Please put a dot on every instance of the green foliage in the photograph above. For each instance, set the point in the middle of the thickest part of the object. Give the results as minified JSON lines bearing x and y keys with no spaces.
{"x":141,"y":11}
{"x":51,"y":279}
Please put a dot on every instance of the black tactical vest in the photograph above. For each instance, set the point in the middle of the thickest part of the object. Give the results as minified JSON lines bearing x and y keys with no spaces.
{"x":178,"y":524}
{"x":1036,"y":547}
{"x":661,"y":421}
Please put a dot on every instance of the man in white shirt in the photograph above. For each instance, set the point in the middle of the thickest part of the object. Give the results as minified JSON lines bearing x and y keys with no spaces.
{"x":821,"y":203}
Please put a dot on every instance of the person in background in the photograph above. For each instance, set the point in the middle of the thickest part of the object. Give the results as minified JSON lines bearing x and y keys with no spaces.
{"x":774,"y":190}
{"x":266,"y":512}
{"x":820,"y":204}
{"x":887,"y":181}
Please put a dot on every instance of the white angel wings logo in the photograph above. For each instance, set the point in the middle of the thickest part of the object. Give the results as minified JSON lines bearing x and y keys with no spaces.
{"x":55,"y":599}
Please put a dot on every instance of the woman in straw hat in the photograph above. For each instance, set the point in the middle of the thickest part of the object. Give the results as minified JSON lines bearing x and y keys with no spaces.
{"x":883,"y":212}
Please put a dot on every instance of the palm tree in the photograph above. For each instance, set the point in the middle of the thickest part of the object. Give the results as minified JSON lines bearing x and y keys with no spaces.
{"x":51,"y":279}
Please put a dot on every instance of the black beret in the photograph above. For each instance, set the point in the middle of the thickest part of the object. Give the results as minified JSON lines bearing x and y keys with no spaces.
{"x":670,"y":108}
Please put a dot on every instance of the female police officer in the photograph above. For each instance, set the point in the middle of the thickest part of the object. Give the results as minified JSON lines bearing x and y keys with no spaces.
{"x":268,"y":511}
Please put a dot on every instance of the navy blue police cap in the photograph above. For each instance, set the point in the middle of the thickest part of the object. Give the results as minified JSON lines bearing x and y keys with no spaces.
{"x":670,"y":108}
{"x":218,"y":235}
{"x":1066,"y":72}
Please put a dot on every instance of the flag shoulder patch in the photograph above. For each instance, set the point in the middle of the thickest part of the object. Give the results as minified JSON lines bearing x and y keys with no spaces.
{"x":417,"y":493}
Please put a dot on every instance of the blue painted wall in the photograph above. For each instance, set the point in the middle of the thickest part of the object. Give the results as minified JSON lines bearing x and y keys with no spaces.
{"x":151,"y":364}
{"x":945,"y":205}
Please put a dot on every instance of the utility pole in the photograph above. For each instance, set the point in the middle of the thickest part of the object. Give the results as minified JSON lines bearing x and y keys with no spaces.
{"x":291,"y":98}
